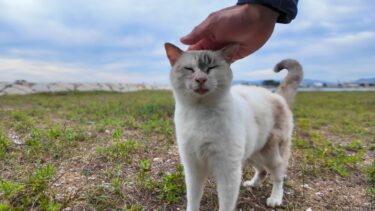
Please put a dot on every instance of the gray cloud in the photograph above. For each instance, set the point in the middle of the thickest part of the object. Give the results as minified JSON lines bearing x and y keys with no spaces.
{"x":123,"y":40}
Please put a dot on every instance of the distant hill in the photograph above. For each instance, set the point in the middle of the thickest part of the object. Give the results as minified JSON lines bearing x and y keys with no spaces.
{"x":258,"y":82}
{"x":365,"y":80}
{"x":308,"y":82}
{"x":304,"y":82}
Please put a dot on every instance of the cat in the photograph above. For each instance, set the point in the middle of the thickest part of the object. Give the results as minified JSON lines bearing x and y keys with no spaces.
{"x":219,"y":127}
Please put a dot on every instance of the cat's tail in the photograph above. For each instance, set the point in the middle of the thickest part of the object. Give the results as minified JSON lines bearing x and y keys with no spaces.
{"x":288,"y":87}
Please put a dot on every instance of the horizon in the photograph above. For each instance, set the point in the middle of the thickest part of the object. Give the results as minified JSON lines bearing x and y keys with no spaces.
{"x":310,"y":80}
{"x":122,"y":42}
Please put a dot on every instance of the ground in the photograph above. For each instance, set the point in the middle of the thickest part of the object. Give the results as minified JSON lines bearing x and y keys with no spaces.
{"x":97,"y":150}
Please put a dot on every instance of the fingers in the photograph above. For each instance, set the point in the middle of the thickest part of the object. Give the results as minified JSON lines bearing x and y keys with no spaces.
{"x":198,"y":33}
{"x":206,"y":44}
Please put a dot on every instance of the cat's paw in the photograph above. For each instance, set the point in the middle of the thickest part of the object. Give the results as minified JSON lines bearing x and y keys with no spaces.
{"x":252,"y":183}
{"x":273,"y":202}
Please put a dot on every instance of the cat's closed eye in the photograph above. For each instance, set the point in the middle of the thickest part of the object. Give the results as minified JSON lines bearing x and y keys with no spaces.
{"x":211,"y":68}
{"x":189,"y":68}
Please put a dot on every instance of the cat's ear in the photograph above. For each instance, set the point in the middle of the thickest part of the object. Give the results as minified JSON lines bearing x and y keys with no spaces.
{"x":229,"y":51}
{"x":173,"y":52}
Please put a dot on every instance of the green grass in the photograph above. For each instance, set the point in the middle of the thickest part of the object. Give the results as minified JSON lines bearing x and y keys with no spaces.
{"x":335,"y":129}
{"x":97,"y":150}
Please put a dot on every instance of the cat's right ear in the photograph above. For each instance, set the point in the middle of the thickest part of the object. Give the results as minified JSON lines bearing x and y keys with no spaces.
{"x":229,"y":51}
{"x":173,"y":52}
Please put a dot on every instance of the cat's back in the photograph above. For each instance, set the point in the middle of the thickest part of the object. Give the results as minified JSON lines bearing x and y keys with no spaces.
{"x":256,"y":97}
{"x":264,"y":104}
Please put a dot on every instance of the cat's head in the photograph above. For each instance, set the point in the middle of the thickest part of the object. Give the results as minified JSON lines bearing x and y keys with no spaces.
{"x":200,"y":73}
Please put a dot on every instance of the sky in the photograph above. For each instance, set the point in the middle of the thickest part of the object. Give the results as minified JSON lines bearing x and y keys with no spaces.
{"x":121,"y":41}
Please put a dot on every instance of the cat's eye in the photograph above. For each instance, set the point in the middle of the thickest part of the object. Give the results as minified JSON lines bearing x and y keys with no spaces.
{"x":189,"y":68}
{"x":211,"y":68}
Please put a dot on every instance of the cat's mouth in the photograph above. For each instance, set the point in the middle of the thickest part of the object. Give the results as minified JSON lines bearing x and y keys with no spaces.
{"x":201,"y":90}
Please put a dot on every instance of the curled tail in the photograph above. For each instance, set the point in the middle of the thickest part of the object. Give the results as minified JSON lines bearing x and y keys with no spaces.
{"x":288,"y":87}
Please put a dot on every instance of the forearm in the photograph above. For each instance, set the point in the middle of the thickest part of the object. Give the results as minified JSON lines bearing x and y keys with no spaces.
{"x":286,"y":8}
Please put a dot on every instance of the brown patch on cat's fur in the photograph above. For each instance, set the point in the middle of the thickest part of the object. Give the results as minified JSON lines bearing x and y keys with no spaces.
{"x":276,"y":141}
{"x":280,"y":113}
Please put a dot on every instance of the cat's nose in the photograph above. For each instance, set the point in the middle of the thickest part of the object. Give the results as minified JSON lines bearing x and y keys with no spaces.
{"x":201,"y":80}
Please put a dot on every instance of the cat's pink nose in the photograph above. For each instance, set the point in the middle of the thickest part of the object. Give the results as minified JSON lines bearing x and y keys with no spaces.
{"x":201,"y":80}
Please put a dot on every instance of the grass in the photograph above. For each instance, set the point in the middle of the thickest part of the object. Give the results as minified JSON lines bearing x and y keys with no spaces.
{"x":116,"y":151}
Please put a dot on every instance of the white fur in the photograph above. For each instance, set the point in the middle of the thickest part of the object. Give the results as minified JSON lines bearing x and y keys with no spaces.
{"x":220,"y":138}
{"x":219,"y":131}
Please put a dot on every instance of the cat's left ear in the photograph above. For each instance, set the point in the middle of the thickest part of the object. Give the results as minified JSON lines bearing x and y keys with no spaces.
{"x":173,"y":52}
{"x":229,"y":51}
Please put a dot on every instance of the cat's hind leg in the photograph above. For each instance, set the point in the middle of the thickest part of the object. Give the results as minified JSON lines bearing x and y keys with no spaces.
{"x":275,"y":158}
{"x":258,"y":178}
{"x":277,"y":175}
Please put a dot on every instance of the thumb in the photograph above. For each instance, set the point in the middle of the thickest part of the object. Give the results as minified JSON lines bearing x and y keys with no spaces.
{"x":198,"y":33}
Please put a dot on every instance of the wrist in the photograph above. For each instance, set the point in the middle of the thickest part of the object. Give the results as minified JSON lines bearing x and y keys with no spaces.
{"x":261,"y":12}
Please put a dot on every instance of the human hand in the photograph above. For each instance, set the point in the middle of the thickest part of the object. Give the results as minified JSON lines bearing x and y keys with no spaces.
{"x":249,"y":25}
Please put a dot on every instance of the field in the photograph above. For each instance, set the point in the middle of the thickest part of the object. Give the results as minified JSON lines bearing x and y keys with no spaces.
{"x":86,"y":151}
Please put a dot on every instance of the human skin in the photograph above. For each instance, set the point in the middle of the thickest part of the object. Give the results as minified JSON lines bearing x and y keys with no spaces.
{"x":249,"y":25}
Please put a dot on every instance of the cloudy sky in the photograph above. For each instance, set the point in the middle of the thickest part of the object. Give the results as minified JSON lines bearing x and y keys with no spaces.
{"x":122,"y":40}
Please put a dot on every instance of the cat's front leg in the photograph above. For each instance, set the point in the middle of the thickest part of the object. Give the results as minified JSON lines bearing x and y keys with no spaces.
{"x":228,"y":177}
{"x":195,"y":176}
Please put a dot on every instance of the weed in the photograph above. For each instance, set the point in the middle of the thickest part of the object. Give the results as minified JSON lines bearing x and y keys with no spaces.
{"x":135,"y":207}
{"x":4,"y":207}
{"x":4,"y":145}
{"x":143,"y":173}
{"x":121,"y":150}
{"x":33,"y":192}
{"x":54,"y":132}
{"x":33,"y":145}
{"x":10,"y":189}
{"x":131,"y":122}
{"x":117,"y":134}
{"x":158,"y":126}
{"x":39,"y":180}
{"x":18,"y":116}
{"x":172,"y":186}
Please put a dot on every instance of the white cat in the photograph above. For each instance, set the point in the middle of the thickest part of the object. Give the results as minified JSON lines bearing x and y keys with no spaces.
{"x":220,"y":127}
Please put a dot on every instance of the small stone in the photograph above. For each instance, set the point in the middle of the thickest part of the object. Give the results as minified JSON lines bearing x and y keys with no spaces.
{"x":91,"y":178}
{"x":157,"y":160}
{"x":306,"y":186}
{"x":320,"y":194}
{"x":309,"y":209}
{"x":67,"y":209}
{"x":57,"y":184}
{"x":16,"y":139}
{"x":107,"y":131}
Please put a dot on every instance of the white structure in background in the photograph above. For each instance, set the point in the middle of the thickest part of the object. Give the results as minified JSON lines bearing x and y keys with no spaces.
{"x":22,"y":87}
